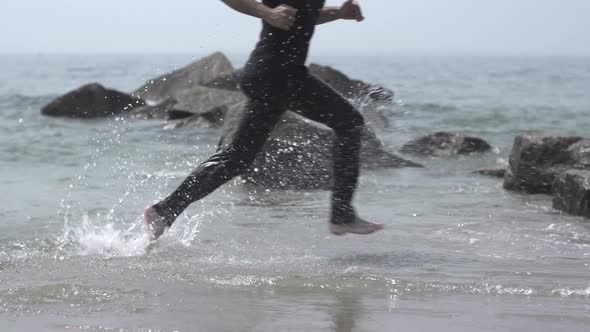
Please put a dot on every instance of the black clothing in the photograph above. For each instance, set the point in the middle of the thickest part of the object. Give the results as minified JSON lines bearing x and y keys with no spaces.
{"x":276,"y":80}
{"x":280,"y":49}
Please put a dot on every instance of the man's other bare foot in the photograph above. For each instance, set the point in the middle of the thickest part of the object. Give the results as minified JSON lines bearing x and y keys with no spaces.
{"x":360,"y":227}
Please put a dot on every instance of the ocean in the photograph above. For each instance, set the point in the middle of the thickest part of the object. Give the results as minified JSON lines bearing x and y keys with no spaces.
{"x":459,"y":253}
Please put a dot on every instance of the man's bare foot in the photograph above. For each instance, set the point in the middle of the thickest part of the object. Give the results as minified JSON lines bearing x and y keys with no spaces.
{"x":360,"y":226}
{"x":155,"y":223}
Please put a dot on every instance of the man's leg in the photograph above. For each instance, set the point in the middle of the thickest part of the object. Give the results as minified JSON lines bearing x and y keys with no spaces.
{"x":258,"y":120}
{"x":321,"y":103}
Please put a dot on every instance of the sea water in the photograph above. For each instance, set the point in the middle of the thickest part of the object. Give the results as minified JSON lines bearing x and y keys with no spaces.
{"x":459,"y":253}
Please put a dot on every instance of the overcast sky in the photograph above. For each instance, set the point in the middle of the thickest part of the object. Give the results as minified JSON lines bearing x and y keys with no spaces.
{"x":541,"y":27}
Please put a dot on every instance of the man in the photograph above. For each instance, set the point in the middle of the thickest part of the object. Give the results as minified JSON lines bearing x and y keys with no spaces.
{"x":275,"y":80}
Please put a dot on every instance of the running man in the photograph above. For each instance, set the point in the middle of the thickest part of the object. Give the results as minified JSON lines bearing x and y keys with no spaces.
{"x":275,"y":80}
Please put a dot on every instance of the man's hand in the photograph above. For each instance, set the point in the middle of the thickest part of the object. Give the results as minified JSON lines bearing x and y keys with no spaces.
{"x":351,"y":10}
{"x":282,"y":17}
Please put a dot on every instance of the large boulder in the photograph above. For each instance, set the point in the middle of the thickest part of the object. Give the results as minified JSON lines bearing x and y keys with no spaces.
{"x":535,"y":161}
{"x":571,"y":192}
{"x":350,"y":88}
{"x":443,"y":144}
{"x":298,"y":154}
{"x":199,"y":72}
{"x":91,"y":101}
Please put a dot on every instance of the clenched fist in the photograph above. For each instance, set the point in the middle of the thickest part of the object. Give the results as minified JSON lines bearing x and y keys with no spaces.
{"x":282,"y":17}
{"x":351,"y":10}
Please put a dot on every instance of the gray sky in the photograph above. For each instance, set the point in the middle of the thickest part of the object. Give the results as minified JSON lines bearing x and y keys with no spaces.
{"x":392,"y":26}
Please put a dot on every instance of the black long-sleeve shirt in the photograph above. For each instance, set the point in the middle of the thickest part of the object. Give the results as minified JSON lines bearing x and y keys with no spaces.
{"x":286,"y":50}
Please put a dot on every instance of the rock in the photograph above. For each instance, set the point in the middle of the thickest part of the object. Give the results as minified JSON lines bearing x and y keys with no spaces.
{"x":497,"y":173}
{"x":535,"y":161}
{"x":91,"y":101}
{"x":350,"y":88}
{"x":164,"y":110}
{"x":298,"y":155}
{"x":571,"y":192}
{"x":200,"y":99}
{"x":229,"y":81}
{"x":210,"y":119}
{"x":215,"y":115}
{"x":199,"y":72}
{"x":444,"y":144}
{"x":197,"y":107}
{"x":179,"y":115}
{"x":580,"y":154}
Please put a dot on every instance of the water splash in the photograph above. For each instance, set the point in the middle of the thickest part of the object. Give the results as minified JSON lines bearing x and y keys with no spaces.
{"x":93,"y":237}
{"x":107,"y":237}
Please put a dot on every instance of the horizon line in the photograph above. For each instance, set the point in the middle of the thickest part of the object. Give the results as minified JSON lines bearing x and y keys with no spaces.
{"x":320,"y":53}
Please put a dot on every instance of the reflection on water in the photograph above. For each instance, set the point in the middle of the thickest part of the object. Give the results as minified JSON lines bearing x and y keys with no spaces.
{"x":347,"y":309}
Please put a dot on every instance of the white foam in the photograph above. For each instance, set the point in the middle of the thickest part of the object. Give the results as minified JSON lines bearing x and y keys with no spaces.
{"x":106,"y":236}
{"x":242,"y":281}
{"x":567,"y":292}
{"x":92,"y":237}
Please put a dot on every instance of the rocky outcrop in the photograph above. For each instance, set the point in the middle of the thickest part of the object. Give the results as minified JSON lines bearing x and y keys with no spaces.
{"x":91,"y":101}
{"x":571,"y":192}
{"x":197,"y":73}
{"x":298,"y":155}
{"x":195,"y":92}
{"x":535,"y":161}
{"x":443,"y":144}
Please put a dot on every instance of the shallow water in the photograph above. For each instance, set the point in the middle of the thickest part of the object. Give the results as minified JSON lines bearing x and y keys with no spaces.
{"x":458,"y":249}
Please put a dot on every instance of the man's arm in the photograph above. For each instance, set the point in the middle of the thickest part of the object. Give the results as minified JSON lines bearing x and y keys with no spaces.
{"x":350,"y":10}
{"x":281,"y":17}
{"x":249,"y":7}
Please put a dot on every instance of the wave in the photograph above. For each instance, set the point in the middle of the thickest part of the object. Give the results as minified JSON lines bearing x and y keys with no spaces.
{"x":397,"y":286}
{"x":63,"y":293}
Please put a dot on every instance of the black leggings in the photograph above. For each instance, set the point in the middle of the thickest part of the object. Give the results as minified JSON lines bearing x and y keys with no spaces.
{"x":267,"y":101}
